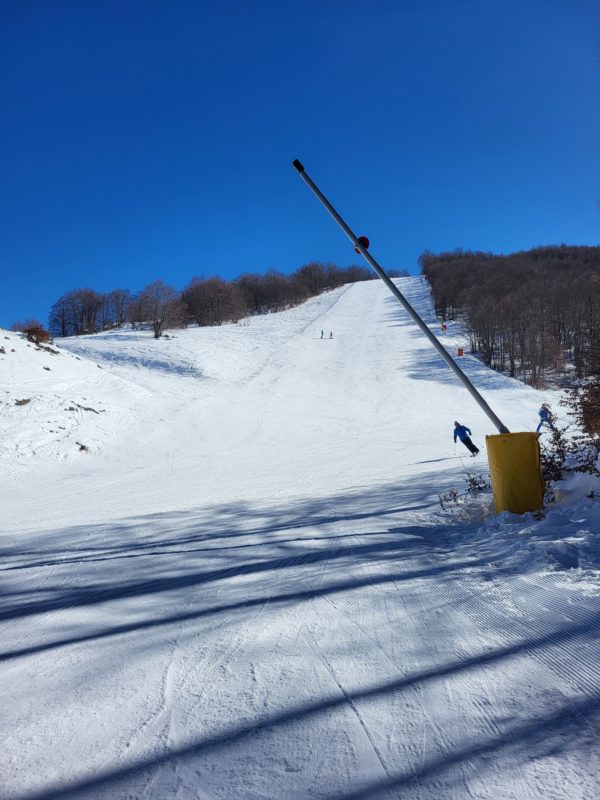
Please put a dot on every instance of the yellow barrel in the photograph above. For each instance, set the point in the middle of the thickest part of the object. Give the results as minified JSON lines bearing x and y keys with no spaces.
{"x":515,"y":470}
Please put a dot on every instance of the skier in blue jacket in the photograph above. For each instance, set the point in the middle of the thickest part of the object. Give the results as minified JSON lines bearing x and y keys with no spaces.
{"x":546,"y":418}
{"x":464,"y":434}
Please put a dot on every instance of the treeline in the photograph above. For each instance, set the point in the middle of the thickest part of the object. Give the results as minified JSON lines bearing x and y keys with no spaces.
{"x":534,"y":314}
{"x":205,"y":301}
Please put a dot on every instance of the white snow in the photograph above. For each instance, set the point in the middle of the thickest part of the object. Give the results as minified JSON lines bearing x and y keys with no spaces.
{"x":226,"y":572}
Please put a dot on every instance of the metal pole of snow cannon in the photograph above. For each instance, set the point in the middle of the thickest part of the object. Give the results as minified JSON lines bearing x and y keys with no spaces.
{"x":400,"y":297}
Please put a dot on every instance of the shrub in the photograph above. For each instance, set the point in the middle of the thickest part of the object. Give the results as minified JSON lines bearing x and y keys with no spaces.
{"x":33,"y":330}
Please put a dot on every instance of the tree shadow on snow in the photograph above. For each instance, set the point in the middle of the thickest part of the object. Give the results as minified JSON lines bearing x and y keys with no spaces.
{"x":168,"y":554}
{"x":572,"y":727}
{"x":321,"y":548}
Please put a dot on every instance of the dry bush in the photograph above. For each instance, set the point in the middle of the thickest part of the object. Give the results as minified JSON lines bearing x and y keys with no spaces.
{"x":34,"y":331}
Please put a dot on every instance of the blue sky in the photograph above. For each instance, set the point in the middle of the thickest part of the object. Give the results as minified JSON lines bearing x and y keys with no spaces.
{"x":147,"y":139}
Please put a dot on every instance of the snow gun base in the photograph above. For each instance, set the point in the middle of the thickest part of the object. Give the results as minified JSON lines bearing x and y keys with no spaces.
{"x":515,"y":470}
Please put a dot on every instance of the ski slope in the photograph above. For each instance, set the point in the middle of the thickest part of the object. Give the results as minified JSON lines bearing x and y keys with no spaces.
{"x":226,"y":572}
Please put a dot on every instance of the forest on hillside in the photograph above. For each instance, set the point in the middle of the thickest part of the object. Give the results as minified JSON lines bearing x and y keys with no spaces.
{"x":204,"y":302}
{"x":534,"y":314}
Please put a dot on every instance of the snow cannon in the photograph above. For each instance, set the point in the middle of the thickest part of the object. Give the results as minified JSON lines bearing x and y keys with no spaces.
{"x":514,"y":458}
{"x":516,"y":472}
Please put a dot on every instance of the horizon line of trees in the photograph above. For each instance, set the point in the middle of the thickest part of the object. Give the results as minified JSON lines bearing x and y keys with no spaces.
{"x":205,"y":301}
{"x":533,"y":314}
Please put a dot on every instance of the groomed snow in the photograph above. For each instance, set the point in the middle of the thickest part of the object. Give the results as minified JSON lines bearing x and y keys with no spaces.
{"x":226,"y":572}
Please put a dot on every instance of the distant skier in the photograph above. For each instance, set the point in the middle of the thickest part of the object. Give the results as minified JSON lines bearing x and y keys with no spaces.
{"x":322,"y":334}
{"x":464,"y":434}
{"x":331,"y":334}
{"x":546,"y":418}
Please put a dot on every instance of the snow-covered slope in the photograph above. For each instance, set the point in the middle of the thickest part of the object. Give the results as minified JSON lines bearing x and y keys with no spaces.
{"x":56,"y":405}
{"x":242,"y":585}
{"x":262,"y":409}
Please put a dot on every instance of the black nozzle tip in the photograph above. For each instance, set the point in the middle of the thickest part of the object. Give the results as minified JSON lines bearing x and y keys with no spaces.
{"x":298,"y":165}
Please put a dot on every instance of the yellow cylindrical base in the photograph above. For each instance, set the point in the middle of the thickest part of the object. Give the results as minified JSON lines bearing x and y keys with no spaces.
{"x":515,"y":470}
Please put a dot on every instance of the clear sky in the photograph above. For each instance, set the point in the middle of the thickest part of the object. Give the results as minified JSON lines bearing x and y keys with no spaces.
{"x":147,"y":139}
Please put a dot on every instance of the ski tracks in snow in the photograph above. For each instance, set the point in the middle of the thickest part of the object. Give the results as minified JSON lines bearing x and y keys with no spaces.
{"x":255,"y":600}
{"x":384,"y":643}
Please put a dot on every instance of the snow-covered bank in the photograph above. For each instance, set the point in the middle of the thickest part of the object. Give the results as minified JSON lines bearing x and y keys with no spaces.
{"x":566,"y":536}
{"x":246,"y":587}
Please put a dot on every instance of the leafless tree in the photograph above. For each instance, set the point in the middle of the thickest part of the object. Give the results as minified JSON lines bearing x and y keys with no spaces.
{"x":210,"y":301}
{"x":118,"y":302}
{"x":214,"y":301}
{"x":77,"y":312}
{"x":161,"y":306}
{"x":59,"y":318}
{"x":534,"y":313}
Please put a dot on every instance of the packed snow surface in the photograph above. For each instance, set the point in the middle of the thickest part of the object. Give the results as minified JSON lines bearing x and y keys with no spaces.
{"x":226,"y":572}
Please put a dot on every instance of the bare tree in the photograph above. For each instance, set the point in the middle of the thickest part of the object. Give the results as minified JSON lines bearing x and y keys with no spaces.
{"x":86,"y":305}
{"x":161,"y":306}
{"x":534,"y":313}
{"x":59,"y":320}
{"x":214,"y":301}
{"x":77,"y":312}
{"x":208,"y":302}
{"x":119,"y":302}
{"x":315,"y":277}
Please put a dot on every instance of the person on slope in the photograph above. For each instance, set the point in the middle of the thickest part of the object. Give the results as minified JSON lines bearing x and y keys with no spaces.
{"x":464,"y":434}
{"x":546,"y":418}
